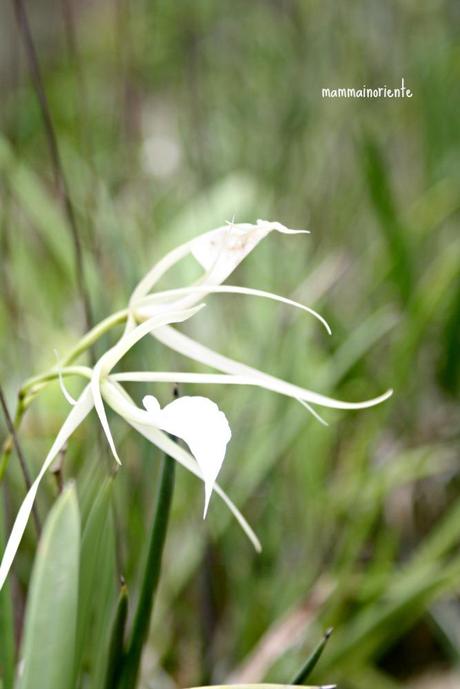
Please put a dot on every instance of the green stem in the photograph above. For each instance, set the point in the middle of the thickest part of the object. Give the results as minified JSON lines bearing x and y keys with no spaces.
{"x":115,"y":655}
{"x":37,"y":382}
{"x":34,"y":385}
{"x":309,"y":665}
{"x":151,"y":576}
{"x":94,"y":334}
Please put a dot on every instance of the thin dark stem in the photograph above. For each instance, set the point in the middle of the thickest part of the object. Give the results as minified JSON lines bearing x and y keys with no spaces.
{"x":58,"y":170}
{"x":20,"y":454}
{"x":74,"y":57}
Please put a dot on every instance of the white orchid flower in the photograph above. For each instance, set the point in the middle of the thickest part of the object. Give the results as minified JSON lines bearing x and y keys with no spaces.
{"x":194,"y":419}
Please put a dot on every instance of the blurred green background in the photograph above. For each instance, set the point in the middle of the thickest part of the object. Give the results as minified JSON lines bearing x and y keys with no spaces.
{"x":172,"y":118}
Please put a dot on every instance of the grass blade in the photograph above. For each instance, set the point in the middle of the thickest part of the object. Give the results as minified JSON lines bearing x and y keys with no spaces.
{"x":151,"y":575}
{"x":311,"y":662}
{"x":115,"y":654}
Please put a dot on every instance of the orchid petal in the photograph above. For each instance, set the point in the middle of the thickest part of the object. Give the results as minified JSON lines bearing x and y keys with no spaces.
{"x":120,"y":401}
{"x":200,"y":378}
{"x":77,"y":414}
{"x":199,"y":422}
{"x":220,"y":251}
{"x":158,"y":300}
{"x":198,"y":352}
{"x":113,"y":356}
{"x":313,"y":412}
{"x":64,"y":390}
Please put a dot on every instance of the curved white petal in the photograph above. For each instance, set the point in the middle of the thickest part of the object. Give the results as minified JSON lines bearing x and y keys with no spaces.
{"x":200,"y":423}
{"x":313,"y":412}
{"x":203,"y":379}
{"x":162,"y":300}
{"x":198,"y":352}
{"x":77,"y":414}
{"x":64,"y":390}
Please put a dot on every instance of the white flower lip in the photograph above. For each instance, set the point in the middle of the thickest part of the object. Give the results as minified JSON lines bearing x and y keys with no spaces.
{"x":200,"y":423}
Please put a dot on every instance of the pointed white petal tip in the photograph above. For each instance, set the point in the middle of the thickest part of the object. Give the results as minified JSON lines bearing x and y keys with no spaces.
{"x":71,"y":400}
{"x":221,"y":250}
{"x":313,"y":412}
{"x":279,"y":227}
{"x":200,"y":423}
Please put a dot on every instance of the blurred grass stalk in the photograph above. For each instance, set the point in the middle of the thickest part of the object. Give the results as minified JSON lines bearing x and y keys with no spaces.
{"x":7,"y":626}
{"x":131,"y":660}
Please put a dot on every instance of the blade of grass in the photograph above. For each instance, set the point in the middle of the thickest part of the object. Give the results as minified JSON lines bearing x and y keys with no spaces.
{"x":311,"y":662}
{"x":117,"y":633}
{"x":394,"y":232}
{"x":151,"y":575}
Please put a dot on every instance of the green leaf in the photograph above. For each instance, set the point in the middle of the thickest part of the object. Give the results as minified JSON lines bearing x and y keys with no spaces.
{"x":311,"y":662}
{"x":51,"y":614}
{"x":104,"y":606}
{"x":393,"y":230}
{"x":92,"y":550}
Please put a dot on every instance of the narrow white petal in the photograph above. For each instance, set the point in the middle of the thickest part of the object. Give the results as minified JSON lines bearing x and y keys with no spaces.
{"x":153,"y":302}
{"x":77,"y":414}
{"x":64,"y":390}
{"x":313,"y":412}
{"x":198,"y":352}
{"x":159,"y":269}
{"x":200,"y":423}
{"x":181,"y":377}
{"x":274,"y":225}
{"x":126,"y":342}
{"x":99,"y":407}
{"x":199,"y":378}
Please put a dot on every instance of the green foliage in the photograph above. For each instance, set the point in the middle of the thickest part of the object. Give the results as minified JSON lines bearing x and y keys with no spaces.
{"x":360,"y":521}
{"x":47,"y":653}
